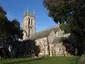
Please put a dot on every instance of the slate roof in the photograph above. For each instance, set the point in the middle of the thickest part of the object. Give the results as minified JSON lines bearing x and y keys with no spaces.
{"x":58,"y":40}
{"x":44,"y":33}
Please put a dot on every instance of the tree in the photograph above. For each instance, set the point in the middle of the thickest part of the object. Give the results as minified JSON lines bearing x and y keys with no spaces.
{"x":2,"y":12}
{"x":56,"y":10}
{"x":61,"y":10}
{"x":15,"y":34}
{"x":9,"y":31}
{"x":71,"y":11}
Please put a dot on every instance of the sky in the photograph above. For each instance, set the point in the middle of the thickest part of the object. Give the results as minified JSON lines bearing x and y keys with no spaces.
{"x":15,"y":10}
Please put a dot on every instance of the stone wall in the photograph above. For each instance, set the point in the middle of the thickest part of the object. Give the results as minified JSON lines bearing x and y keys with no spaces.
{"x":59,"y":49}
{"x":51,"y":36}
{"x":43,"y":44}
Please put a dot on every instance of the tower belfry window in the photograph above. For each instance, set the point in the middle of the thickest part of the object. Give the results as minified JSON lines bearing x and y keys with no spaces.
{"x":29,"y":20}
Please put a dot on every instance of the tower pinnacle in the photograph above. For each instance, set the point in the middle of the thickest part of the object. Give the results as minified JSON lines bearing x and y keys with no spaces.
{"x":34,"y":13}
{"x":27,"y":11}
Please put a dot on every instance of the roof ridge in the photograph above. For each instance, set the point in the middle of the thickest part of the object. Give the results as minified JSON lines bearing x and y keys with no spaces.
{"x":49,"y":28}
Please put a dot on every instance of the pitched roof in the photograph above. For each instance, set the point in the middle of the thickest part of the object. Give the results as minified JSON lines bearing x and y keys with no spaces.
{"x":44,"y":33}
{"x":58,"y":40}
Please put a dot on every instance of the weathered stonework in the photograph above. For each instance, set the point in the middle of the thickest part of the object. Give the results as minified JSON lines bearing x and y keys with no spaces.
{"x":28,"y":25}
{"x":49,"y":40}
{"x":42,"y":43}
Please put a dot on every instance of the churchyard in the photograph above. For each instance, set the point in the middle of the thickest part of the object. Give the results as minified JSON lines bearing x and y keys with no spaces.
{"x":42,"y":60}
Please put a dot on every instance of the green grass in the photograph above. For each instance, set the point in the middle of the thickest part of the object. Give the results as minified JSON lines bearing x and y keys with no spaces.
{"x":47,"y":60}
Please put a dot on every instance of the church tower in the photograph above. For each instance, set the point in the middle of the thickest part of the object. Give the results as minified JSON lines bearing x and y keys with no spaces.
{"x":28,"y":25}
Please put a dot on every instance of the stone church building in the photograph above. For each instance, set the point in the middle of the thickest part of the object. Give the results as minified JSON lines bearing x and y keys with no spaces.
{"x":49,"y":40}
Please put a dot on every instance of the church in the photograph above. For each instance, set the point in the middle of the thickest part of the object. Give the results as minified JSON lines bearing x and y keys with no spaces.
{"x":49,"y":40}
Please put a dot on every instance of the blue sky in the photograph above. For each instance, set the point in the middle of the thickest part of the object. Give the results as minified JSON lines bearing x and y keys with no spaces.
{"x":15,"y":10}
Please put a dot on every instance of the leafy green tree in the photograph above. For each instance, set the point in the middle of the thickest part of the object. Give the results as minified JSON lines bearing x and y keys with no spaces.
{"x":71,"y":12}
{"x":10,"y":31}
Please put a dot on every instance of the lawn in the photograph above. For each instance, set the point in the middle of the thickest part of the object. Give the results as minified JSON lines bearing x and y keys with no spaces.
{"x":47,"y":60}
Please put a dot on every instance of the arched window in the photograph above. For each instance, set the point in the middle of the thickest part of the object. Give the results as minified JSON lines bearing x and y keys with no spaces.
{"x":29,"y":20}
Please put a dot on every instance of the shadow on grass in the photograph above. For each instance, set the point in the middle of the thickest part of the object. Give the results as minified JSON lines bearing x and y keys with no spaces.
{"x":74,"y":60}
{"x":29,"y":60}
